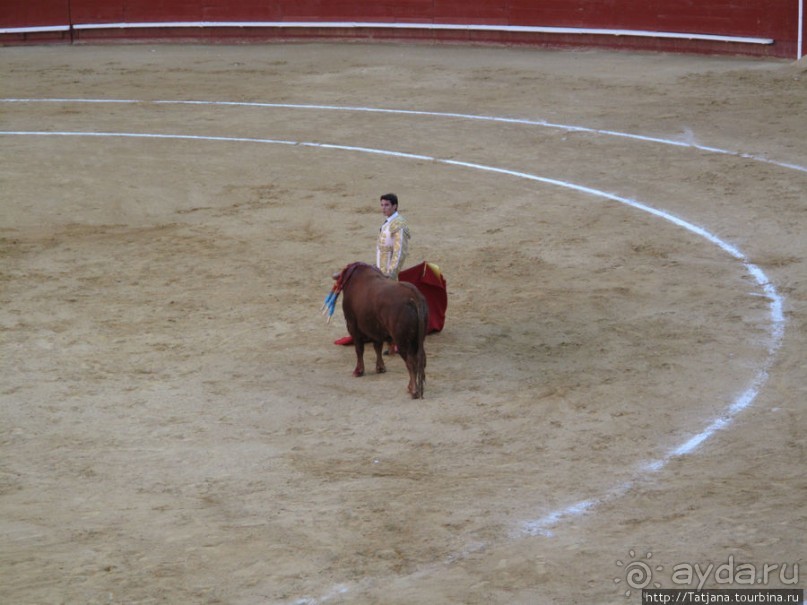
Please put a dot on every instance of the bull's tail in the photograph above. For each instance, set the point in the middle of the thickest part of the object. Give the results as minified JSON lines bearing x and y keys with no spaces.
{"x":423,"y":322}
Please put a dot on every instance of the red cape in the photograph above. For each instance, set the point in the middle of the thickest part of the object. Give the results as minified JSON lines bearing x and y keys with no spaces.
{"x":430,"y":281}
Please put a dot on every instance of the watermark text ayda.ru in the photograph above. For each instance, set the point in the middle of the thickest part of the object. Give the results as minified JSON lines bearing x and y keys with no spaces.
{"x":732,"y":573}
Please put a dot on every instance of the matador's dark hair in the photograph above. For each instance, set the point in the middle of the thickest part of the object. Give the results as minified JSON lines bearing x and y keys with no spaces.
{"x":391,"y":198}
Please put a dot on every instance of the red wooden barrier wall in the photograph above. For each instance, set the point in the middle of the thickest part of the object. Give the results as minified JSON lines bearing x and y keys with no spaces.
{"x":74,"y":20}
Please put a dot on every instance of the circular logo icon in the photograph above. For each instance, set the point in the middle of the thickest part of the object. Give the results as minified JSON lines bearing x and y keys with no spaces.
{"x":637,"y":574}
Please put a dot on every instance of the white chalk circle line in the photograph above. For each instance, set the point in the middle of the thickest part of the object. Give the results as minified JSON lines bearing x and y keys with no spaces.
{"x":544,"y":525}
{"x":687,"y":143}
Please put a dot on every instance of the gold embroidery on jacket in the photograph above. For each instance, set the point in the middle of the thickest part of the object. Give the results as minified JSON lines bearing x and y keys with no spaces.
{"x":392,"y":246}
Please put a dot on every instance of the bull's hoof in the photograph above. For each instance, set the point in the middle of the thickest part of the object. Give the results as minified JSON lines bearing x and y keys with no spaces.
{"x":380,"y":369}
{"x":357,"y":372}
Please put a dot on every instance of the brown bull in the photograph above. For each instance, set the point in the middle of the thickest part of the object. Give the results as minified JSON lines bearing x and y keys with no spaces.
{"x":379,"y":309}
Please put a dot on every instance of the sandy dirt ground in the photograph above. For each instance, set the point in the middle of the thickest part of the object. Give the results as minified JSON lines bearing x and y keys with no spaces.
{"x":176,"y":425}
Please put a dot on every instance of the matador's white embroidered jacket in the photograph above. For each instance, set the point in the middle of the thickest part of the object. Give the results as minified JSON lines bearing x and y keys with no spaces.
{"x":392,"y":246}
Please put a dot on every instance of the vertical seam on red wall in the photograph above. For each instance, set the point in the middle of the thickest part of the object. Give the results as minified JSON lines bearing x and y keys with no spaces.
{"x":70,"y":20}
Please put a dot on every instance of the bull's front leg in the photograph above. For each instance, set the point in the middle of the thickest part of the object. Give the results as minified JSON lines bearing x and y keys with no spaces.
{"x":379,"y":358}
{"x":359,"y":371}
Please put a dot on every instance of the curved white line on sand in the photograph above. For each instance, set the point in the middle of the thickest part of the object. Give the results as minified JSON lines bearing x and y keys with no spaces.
{"x":437,"y":114}
{"x":544,"y":525}
{"x":770,"y":292}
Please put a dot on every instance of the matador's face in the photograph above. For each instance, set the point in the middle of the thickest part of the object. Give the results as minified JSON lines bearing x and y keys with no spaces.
{"x":387,"y":208}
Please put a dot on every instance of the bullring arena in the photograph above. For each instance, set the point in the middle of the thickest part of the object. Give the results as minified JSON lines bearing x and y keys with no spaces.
{"x":620,"y":384}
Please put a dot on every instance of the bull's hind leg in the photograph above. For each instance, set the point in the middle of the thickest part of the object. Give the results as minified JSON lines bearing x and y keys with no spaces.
{"x":359,"y":371}
{"x":379,"y":359}
{"x":411,"y":366}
